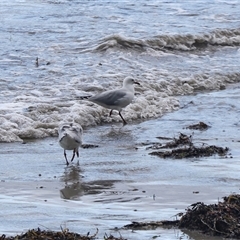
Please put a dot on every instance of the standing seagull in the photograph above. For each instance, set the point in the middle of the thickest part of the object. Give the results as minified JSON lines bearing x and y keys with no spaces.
{"x":70,"y":138}
{"x":116,"y":99}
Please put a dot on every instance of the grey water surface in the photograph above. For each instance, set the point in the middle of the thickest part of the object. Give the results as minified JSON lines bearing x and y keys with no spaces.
{"x":118,"y":181}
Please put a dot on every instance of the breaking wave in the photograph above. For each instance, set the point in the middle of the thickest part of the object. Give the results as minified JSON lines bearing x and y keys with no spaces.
{"x":153,"y":99}
{"x":186,"y":42}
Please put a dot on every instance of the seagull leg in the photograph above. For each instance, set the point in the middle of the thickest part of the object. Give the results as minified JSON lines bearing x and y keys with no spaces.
{"x":124,"y":122}
{"x":74,"y":151}
{"x":65,"y":155}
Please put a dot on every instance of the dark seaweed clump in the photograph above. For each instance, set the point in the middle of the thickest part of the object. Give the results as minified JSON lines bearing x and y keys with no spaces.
{"x":199,"y":126}
{"x":38,"y":234}
{"x":183,"y":147}
{"x":222,"y":219}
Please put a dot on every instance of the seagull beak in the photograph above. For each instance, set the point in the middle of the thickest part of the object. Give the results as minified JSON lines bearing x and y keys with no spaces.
{"x":135,"y":82}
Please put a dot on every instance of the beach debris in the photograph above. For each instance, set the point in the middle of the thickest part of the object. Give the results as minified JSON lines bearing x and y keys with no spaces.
{"x":36,"y":62}
{"x":199,"y":126}
{"x":188,"y":152}
{"x":89,"y":146}
{"x":174,"y":143}
{"x":150,"y":225}
{"x":183,"y":147}
{"x":38,"y":234}
{"x":111,"y":237}
{"x":222,"y":219}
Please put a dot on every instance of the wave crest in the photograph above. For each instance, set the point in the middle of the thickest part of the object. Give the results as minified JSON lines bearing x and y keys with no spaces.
{"x":179,"y":42}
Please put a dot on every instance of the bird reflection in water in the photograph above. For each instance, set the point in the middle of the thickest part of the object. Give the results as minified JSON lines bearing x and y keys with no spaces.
{"x":73,"y":183}
{"x":75,"y":187}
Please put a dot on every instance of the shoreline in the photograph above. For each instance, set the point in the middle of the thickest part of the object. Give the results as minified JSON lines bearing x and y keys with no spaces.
{"x":114,"y":183}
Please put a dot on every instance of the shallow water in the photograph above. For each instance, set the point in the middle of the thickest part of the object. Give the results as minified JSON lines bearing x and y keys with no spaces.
{"x":85,"y":47}
{"x":119,"y":182}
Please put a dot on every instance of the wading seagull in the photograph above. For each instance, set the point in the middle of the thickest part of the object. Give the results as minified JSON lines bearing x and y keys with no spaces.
{"x":116,"y":99}
{"x":70,"y":138}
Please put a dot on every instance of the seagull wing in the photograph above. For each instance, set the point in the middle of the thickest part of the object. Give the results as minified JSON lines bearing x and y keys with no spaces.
{"x":115,"y":98}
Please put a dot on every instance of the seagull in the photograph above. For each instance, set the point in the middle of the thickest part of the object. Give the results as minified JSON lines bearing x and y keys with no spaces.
{"x":116,"y":99}
{"x":70,"y":138}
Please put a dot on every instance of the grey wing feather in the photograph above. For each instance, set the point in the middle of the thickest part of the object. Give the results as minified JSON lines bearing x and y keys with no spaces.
{"x":109,"y":98}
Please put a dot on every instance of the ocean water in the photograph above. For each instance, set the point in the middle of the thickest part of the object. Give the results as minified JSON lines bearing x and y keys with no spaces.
{"x":54,"y":52}
{"x":118,"y":182}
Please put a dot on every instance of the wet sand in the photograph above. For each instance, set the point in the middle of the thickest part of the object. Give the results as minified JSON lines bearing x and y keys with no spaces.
{"x":119,"y":182}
